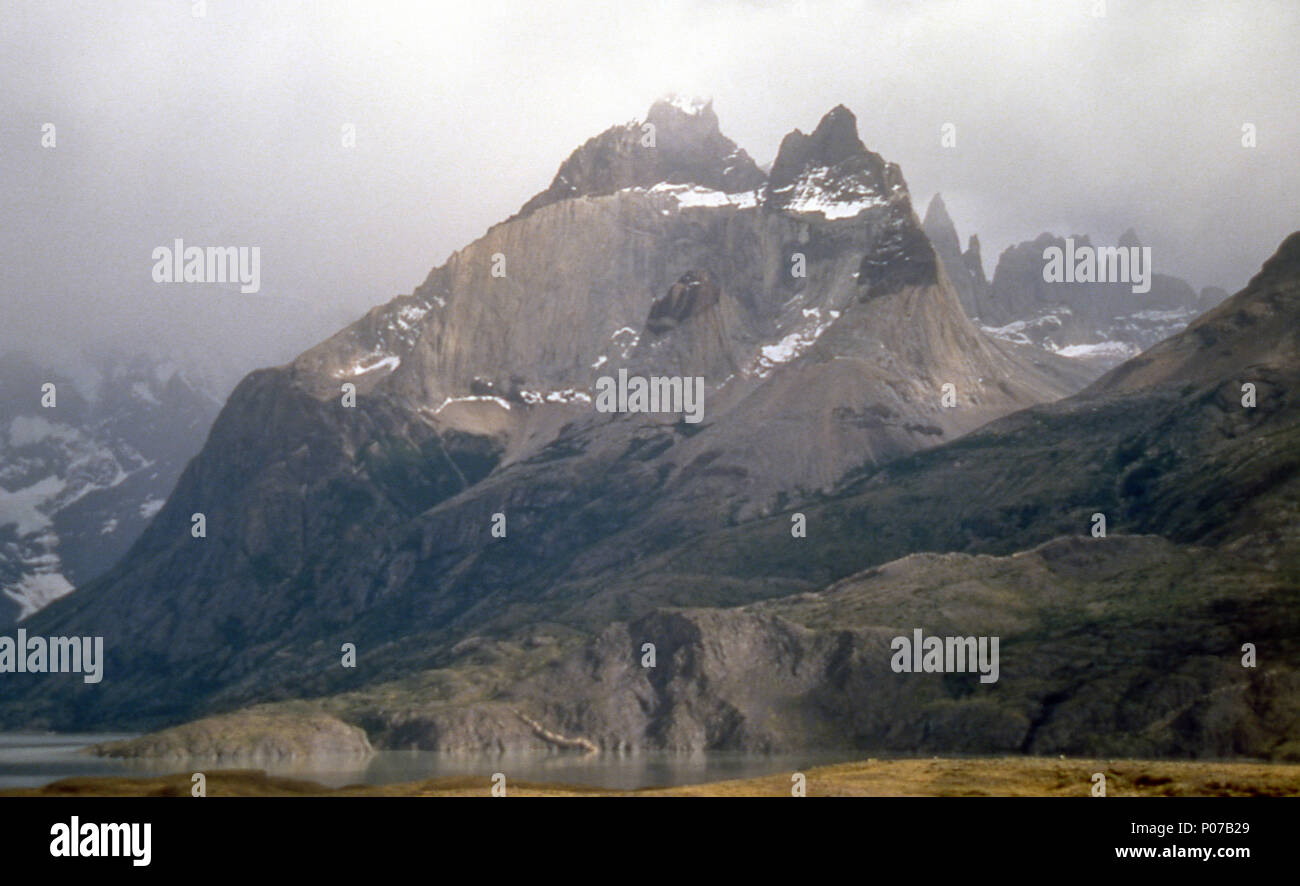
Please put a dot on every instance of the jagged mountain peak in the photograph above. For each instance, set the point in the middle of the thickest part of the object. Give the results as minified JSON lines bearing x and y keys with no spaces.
{"x":939,"y":227}
{"x":832,"y":172}
{"x":836,"y":135}
{"x":679,"y":142}
{"x":833,"y":141}
{"x":973,"y":259}
{"x":964,"y":269}
{"x":938,"y":210}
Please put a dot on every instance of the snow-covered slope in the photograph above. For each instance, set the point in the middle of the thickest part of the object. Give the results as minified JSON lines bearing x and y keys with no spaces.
{"x":79,"y":480}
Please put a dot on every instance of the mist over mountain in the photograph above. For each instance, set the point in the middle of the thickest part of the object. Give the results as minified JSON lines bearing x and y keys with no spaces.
{"x":228,"y":131}
{"x":388,"y":376}
{"x":474,"y":397}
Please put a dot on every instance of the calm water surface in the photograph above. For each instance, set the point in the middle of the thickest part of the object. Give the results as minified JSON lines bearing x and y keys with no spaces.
{"x":34,"y":759}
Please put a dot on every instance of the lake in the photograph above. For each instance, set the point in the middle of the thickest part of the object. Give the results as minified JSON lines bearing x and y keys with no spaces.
{"x":35,"y":759}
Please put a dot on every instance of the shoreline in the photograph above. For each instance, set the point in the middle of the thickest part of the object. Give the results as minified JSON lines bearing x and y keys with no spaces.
{"x":911,"y":777}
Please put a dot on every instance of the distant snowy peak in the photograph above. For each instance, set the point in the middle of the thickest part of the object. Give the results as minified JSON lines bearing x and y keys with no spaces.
{"x":79,"y":479}
{"x":1101,"y":323}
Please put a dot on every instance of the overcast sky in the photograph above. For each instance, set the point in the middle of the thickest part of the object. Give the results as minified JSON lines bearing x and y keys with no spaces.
{"x":226,"y":130}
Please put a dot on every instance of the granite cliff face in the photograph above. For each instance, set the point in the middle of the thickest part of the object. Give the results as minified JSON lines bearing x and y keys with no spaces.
{"x":812,"y":306}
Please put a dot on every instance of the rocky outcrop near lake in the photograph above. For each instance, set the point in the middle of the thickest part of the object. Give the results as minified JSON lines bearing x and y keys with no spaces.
{"x":246,"y":737}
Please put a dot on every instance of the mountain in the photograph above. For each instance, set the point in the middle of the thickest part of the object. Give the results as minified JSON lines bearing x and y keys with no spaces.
{"x":811,"y":306}
{"x":1100,"y":323}
{"x":1129,"y":644}
{"x":678,"y":143}
{"x":80,"y":480}
{"x":964,"y":269}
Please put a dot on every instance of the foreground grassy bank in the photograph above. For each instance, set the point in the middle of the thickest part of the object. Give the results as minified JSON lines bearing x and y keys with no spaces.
{"x":937,"y":777}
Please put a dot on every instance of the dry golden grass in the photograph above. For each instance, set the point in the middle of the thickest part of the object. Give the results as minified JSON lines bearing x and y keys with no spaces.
{"x":938,"y":777}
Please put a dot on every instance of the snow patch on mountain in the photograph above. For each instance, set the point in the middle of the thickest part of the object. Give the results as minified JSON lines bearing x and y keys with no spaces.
{"x":690,"y":105}
{"x":35,"y":591}
{"x":372,"y":363}
{"x":1109,"y":349}
{"x":626,"y":338}
{"x":1118,"y":340}
{"x":26,"y":508}
{"x":409,"y":315}
{"x":795,"y":343}
{"x":568,"y":395}
{"x":473,"y":398}
{"x":151,"y":506}
{"x":823,"y":190}
{"x":696,"y":196}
